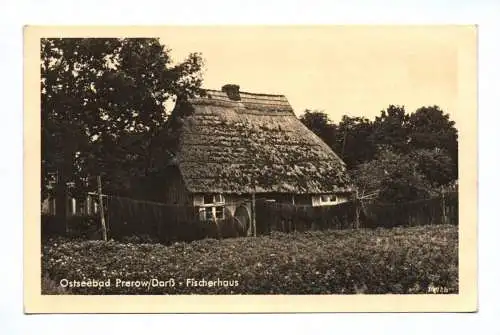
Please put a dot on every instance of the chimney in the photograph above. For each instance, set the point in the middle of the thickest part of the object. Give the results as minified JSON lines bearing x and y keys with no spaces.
{"x":232,"y":91}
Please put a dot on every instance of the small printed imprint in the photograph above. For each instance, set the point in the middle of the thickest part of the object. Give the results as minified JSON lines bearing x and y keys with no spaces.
{"x":438,"y":289}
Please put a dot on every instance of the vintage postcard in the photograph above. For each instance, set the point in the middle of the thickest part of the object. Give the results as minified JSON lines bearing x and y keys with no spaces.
{"x":205,"y":169}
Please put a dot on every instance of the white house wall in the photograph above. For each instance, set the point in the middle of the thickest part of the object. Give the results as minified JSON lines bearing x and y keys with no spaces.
{"x":316,"y":200}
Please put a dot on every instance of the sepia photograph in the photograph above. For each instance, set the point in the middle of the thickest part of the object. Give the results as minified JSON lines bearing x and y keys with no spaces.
{"x":319,"y":162}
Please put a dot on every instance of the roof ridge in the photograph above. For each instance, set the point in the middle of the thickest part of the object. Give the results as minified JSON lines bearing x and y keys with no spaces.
{"x":249,"y":93}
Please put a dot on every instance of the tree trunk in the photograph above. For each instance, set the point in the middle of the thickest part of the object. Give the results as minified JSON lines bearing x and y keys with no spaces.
{"x":64,"y":173}
{"x":254,"y":226}
{"x":101,"y":209}
{"x":62,"y":200}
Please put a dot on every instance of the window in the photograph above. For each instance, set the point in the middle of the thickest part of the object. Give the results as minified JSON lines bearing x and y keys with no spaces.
{"x":328,"y":199}
{"x":81,"y":207}
{"x":203,"y":215}
{"x":219,"y":212}
{"x":209,"y":199}
{"x":52,"y":179}
{"x":211,"y":213}
{"x":212,"y":208}
{"x":71,"y":206}
{"x":206,"y":213}
{"x":218,"y":198}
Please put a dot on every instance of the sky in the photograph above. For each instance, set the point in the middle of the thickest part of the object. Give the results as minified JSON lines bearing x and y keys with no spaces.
{"x":352,"y":70}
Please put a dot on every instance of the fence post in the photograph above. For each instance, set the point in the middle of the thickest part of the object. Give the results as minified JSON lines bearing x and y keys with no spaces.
{"x":443,"y":205}
{"x":101,"y":208}
{"x":254,"y":226}
{"x":357,"y":209}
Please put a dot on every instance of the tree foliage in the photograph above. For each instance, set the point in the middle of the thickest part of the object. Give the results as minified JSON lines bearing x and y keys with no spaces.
{"x":355,"y":140}
{"x":435,"y":165}
{"x":320,"y":124}
{"x":396,"y":177}
{"x":404,"y":156}
{"x":103,"y":107}
{"x":391,"y":128}
{"x":350,"y":139}
{"x":430,"y":128}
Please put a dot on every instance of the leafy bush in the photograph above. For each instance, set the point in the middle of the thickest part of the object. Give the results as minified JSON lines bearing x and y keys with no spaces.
{"x":397,"y":260}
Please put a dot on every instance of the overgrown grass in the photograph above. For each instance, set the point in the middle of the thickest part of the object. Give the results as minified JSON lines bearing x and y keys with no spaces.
{"x":397,"y":260}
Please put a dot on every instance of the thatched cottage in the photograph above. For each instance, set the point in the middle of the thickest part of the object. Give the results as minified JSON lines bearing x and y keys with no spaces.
{"x":236,"y":145}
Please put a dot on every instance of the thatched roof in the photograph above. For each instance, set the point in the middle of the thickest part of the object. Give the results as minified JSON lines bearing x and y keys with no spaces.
{"x":253,"y":142}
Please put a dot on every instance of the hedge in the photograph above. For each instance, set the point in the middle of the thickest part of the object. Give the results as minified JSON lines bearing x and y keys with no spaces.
{"x":397,"y":260}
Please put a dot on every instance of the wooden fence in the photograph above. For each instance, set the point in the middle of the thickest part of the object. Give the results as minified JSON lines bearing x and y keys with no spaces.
{"x":439,"y":210}
{"x":287,"y":217}
{"x":271,"y":216}
{"x":166,"y":223}
{"x":128,"y":217}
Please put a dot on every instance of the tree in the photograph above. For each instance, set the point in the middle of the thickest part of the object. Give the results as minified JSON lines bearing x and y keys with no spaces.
{"x":103,"y":108}
{"x":403,"y":157}
{"x":350,"y":139}
{"x":320,"y":124}
{"x":354,"y":139}
{"x":435,"y":165}
{"x":429,"y":128}
{"x":393,"y":176}
{"x":390,"y":129}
